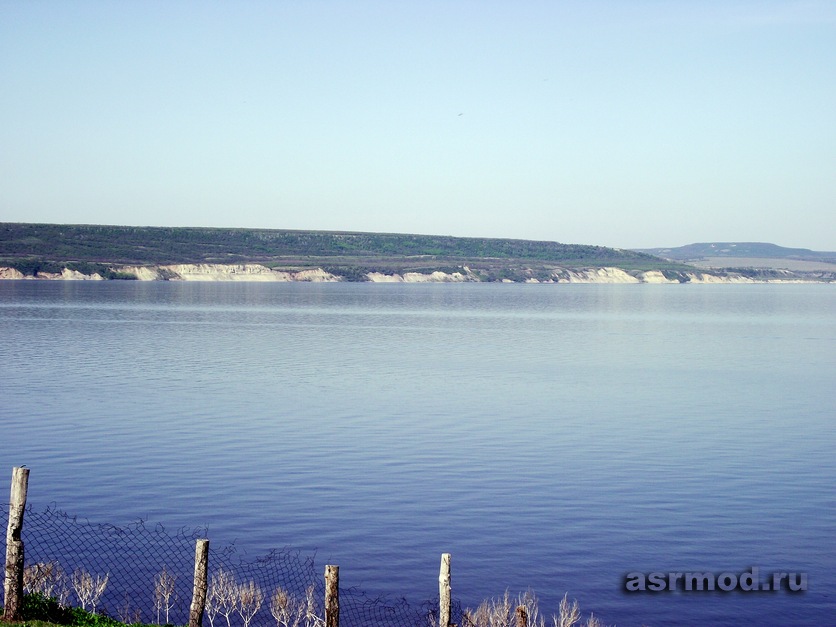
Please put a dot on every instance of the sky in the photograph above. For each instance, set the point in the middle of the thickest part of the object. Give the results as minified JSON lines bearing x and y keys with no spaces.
{"x":624,"y":123}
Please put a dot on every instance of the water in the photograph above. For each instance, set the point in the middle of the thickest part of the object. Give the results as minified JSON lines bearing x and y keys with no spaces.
{"x":554,"y":437}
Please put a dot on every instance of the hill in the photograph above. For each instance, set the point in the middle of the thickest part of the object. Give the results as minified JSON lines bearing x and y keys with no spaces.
{"x":48,"y":247}
{"x":739,"y":249}
{"x":72,"y":251}
{"x":749,"y":255}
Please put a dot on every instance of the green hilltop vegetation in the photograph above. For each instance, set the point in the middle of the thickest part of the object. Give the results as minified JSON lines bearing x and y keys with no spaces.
{"x":31,"y":248}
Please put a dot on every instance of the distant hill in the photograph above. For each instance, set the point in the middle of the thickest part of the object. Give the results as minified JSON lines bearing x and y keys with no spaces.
{"x":761,"y":250}
{"x":46,"y":247}
{"x":737,"y":256}
{"x":128,"y":252}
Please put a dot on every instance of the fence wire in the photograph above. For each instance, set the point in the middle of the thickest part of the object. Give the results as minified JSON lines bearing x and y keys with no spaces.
{"x":149,"y":574}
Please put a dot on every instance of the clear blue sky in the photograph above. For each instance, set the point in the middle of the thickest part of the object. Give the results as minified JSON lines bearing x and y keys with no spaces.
{"x":625,"y":123}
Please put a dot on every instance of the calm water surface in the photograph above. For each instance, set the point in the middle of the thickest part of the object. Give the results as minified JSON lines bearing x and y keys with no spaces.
{"x":548,"y":436}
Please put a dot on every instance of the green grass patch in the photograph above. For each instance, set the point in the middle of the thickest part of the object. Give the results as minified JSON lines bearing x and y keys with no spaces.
{"x":41,"y":611}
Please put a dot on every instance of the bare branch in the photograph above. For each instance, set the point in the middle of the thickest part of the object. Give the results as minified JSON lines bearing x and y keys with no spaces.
{"x":164,"y":595}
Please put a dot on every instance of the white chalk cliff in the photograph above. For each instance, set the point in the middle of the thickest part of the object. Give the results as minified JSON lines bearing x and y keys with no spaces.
{"x":258,"y":272}
{"x":224,"y":272}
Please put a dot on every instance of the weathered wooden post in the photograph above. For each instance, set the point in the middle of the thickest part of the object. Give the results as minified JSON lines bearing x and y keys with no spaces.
{"x":522,"y":616}
{"x":444,"y":591}
{"x":332,"y":596}
{"x":201,"y":569}
{"x":13,"y":583}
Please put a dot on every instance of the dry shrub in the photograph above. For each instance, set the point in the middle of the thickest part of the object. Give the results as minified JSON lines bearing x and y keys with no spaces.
{"x":250,"y":598}
{"x":89,"y":589}
{"x":499,"y":612}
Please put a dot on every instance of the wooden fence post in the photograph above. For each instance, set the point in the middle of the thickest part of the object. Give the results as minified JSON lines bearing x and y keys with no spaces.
{"x":201,"y":568}
{"x":13,"y":582}
{"x":444,"y":591}
{"x":522,"y":616}
{"x":332,"y":596}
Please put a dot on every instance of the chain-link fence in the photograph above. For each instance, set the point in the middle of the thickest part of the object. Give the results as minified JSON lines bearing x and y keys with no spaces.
{"x":143,"y":573}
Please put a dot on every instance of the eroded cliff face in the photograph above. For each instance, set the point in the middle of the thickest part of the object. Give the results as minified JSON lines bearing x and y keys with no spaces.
{"x":65,"y":275}
{"x":597,"y":275}
{"x":224,"y":272}
{"x":592,"y":275}
{"x":257,"y":272}
{"x":11,"y":274}
{"x":418,"y":277}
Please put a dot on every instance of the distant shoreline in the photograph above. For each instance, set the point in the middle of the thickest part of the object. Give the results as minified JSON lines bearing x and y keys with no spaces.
{"x":106,"y":252}
{"x":256,"y":273}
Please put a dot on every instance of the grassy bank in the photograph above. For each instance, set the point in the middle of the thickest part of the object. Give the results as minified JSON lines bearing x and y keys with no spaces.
{"x":41,"y":611}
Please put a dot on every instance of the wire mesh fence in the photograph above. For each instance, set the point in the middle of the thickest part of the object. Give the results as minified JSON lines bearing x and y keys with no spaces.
{"x":143,"y":573}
